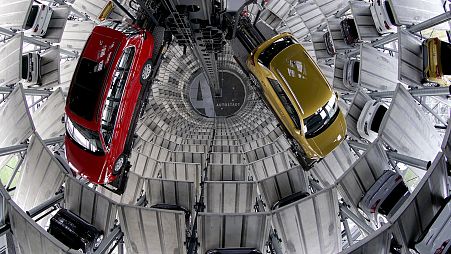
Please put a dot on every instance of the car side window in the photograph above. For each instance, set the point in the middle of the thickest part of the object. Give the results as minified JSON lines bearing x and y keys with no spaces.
{"x":115,"y":93}
{"x":286,"y":102}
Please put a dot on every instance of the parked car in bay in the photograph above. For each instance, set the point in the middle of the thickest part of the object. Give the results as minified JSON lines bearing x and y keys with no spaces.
{"x":299,"y":95}
{"x":351,"y":73}
{"x":31,"y":68}
{"x":436,"y":61}
{"x":349,"y":32}
{"x":74,"y":232}
{"x":330,"y":48}
{"x":109,"y":86}
{"x":384,"y":197}
{"x":370,"y":119}
{"x":437,"y":236}
{"x":383,"y":16}
{"x":38,"y":19}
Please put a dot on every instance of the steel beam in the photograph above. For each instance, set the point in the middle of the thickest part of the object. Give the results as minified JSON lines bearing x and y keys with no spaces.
{"x":45,"y":205}
{"x":343,"y":11}
{"x":37,"y":92}
{"x":347,"y":230}
{"x":108,"y":241}
{"x":16,"y":169}
{"x":23,"y":147}
{"x":413,"y":29}
{"x":421,"y":164}
{"x":37,"y":42}
{"x":359,"y":222}
{"x":420,"y":92}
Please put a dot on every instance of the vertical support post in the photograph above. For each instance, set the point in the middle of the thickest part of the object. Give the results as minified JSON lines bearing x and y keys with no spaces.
{"x":347,"y":230}
{"x":16,"y":169}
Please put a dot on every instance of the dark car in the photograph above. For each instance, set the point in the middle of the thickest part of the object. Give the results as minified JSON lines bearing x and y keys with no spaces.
{"x":290,"y":199}
{"x":349,"y":31}
{"x":234,"y":251}
{"x":74,"y":232}
{"x":329,"y":43}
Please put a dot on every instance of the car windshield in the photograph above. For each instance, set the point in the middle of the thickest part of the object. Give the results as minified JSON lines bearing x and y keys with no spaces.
{"x":275,"y":48}
{"x":355,"y":72}
{"x":31,"y":16}
{"x":25,"y":66}
{"x":85,"y":91}
{"x":125,"y":28}
{"x":377,"y":119}
{"x":113,"y":100}
{"x":86,"y":138}
{"x":321,"y":119}
{"x":393,"y":198}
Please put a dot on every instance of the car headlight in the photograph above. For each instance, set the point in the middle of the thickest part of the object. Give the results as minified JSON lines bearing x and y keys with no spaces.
{"x":330,"y":104}
{"x":118,"y":165}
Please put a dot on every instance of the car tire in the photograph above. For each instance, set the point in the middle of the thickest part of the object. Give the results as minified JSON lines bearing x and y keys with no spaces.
{"x":146,"y":72}
{"x":118,"y":168}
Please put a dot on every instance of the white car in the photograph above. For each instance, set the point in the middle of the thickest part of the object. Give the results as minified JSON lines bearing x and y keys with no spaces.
{"x":384,"y":197}
{"x":351,"y":72}
{"x":31,"y":68}
{"x":437,"y":240}
{"x":370,"y":119}
{"x":38,"y":19}
{"x":383,"y":16}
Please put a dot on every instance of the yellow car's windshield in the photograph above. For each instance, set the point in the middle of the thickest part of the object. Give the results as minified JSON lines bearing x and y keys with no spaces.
{"x":320,"y":120}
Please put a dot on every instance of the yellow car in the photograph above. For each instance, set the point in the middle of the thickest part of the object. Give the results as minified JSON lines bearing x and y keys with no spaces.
{"x":434,"y":50}
{"x":299,"y":95}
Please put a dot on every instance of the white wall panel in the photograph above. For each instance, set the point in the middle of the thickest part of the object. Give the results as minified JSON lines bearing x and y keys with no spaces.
{"x":76,"y":34}
{"x":13,"y":14}
{"x":16,"y":124}
{"x":406,"y":128}
{"x":378,"y":70}
{"x":230,"y":197}
{"x":90,"y":205}
{"x":359,"y":178}
{"x":233,"y":230}
{"x":310,"y":225}
{"x":48,"y":118}
{"x":41,"y":175}
{"x":11,"y":60}
{"x":152,"y":231}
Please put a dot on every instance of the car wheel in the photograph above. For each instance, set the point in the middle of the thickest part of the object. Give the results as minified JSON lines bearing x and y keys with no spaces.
{"x":119,"y":165}
{"x":146,"y":72}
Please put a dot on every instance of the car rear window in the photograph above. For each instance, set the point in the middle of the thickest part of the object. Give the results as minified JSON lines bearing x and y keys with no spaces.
{"x":31,"y":16}
{"x":275,"y":48}
{"x":356,"y":72}
{"x":86,"y":88}
{"x":393,"y":198}
{"x":25,"y":66}
{"x":377,"y":119}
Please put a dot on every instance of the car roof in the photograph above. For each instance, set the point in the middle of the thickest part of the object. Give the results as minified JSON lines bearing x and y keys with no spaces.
{"x":302,"y":79}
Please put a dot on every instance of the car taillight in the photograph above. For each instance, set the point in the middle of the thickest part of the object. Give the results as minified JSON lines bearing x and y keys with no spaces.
{"x":43,"y":7}
{"x":373,"y":208}
{"x":441,"y":248}
{"x":386,"y":25}
{"x":398,"y":178}
{"x":36,"y":29}
{"x":437,"y":72}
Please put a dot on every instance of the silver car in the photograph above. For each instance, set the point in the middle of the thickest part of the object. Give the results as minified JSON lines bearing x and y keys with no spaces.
{"x":31,"y":68}
{"x":38,"y":19}
{"x":370,"y":119}
{"x":384,"y":197}
{"x":437,"y":240}
{"x":351,"y":72}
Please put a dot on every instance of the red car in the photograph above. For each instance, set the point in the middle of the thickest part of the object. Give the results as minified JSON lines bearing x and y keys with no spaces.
{"x":110,"y":83}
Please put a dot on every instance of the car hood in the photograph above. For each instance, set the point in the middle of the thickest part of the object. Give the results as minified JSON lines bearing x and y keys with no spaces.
{"x":95,"y":168}
{"x":330,"y":138}
{"x":302,"y":79}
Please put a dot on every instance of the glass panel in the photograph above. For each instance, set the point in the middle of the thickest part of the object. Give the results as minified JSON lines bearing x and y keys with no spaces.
{"x":285,"y":102}
{"x":85,"y":88}
{"x":377,"y":119}
{"x":393,"y":198}
{"x":319,"y":121}
{"x":88,"y":139}
{"x":270,"y":52}
{"x":115,"y":92}
{"x":31,"y":17}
